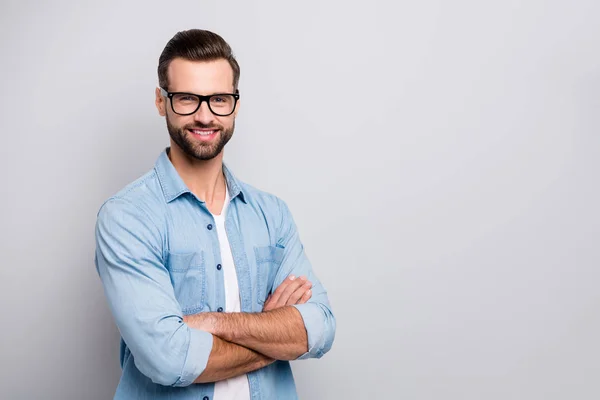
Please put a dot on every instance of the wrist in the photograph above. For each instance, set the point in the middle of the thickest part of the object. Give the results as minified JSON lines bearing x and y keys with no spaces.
{"x":222,"y":324}
{"x":234,"y":326}
{"x":205,"y":321}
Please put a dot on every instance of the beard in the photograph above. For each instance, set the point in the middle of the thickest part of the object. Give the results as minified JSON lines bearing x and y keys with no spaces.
{"x":195,"y":148}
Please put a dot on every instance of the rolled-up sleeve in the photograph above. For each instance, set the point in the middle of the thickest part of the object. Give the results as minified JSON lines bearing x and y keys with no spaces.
{"x":318,"y":318}
{"x":140,"y":296}
{"x":320,"y":328}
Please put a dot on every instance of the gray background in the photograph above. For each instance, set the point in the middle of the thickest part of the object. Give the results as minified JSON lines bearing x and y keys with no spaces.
{"x":440,"y":158}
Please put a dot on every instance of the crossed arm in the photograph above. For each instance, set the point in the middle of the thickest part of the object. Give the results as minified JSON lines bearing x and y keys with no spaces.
{"x":244,"y":342}
{"x":212,"y":346}
{"x":227,"y":360}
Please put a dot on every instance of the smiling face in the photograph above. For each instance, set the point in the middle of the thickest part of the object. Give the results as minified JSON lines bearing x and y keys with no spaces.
{"x":201,"y":135}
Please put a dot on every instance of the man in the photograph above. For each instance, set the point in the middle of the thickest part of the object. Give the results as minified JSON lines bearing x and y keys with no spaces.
{"x":205,"y":275}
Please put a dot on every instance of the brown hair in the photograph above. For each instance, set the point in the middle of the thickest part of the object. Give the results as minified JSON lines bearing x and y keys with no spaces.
{"x":196,"y":45}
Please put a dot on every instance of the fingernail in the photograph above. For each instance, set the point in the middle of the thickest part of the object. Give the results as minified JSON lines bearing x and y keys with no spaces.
{"x":292,"y":277}
{"x":302,"y":278}
{"x":308,"y":291}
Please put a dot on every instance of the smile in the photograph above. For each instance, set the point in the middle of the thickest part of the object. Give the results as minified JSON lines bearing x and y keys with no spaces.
{"x":203,"y":132}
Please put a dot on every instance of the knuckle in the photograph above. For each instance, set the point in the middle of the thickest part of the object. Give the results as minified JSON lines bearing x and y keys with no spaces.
{"x":279,"y":289}
{"x":291,"y":289}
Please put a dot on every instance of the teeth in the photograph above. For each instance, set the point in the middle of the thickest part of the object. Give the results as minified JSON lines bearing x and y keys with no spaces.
{"x":203,"y":133}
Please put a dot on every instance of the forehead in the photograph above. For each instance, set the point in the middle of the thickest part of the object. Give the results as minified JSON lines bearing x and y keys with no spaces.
{"x":201,"y":77}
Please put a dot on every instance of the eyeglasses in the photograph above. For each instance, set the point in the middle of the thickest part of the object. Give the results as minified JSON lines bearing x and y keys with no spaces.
{"x":221,"y":104}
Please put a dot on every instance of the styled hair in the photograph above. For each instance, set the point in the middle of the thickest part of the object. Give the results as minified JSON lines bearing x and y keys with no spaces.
{"x":196,"y":45}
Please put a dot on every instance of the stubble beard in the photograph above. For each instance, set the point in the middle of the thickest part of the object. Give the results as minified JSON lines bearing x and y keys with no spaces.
{"x":196,"y":148}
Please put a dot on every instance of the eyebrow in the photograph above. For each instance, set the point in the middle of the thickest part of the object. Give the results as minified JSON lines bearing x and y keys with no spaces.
{"x":198,"y":94}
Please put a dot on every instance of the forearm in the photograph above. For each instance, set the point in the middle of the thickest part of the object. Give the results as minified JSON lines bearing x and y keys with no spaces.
{"x":279,"y":333}
{"x":227,"y":360}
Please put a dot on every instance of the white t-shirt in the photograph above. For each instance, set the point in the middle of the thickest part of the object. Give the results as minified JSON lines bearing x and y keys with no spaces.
{"x":236,"y":388}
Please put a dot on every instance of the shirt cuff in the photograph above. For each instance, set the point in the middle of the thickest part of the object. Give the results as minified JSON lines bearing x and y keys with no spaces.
{"x":197,"y":357}
{"x":313,"y":322}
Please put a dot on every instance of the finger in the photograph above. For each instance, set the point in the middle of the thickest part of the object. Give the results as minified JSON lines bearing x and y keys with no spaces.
{"x":297,"y":295}
{"x":290,"y":289}
{"x":278,"y":292}
{"x":267,"y":304}
{"x":307,"y":295}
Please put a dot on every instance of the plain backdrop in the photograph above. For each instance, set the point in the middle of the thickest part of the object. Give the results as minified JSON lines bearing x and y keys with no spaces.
{"x":441,"y":160}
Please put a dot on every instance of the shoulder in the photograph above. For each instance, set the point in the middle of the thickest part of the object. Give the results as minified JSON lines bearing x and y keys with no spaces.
{"x":269,"y":206}
{"x":143,"y":198}
{"x":252,"y":194}
{"x":266,"y":201}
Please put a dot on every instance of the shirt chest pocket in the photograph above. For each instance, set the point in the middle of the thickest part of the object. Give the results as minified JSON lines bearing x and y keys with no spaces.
{"x":268,"y":261}
{"x":189,"y":280}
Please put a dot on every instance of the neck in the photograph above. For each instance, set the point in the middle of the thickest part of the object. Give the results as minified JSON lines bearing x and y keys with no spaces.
{"x":204,"y":178}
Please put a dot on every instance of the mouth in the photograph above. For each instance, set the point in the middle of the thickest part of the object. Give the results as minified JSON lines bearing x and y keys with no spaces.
{"x":204,"y":134}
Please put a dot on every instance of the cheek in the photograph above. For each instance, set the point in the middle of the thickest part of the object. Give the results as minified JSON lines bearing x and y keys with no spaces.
{"x":178,"y":121}
{"x":226,"y":123}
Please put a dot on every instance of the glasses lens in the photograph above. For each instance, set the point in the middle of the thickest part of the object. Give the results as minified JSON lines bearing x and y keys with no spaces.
{"x":222,"y":104}
{"x":185,"y":103}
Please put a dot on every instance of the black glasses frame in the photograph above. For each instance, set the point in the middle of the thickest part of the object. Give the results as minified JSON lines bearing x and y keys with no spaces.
{"x":201,"y":99}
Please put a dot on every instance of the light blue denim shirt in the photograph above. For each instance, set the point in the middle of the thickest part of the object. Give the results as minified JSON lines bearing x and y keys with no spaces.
{"x":157,"y":253}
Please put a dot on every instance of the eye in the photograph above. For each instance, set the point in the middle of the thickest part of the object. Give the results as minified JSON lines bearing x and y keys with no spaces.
{"x":221,"y":100}
{"x":185,"y":98}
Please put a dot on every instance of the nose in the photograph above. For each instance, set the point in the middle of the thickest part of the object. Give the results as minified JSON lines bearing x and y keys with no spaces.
{"x":203,"y":114}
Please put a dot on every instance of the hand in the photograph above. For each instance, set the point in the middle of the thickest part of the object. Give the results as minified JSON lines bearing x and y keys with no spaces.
{"x":292,"y":291}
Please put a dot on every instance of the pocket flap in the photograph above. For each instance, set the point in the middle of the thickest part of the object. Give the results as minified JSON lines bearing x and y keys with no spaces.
{"x":181,"y":262}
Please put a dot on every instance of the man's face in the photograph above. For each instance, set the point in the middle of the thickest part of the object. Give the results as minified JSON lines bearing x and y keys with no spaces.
{"x":201,"y":135}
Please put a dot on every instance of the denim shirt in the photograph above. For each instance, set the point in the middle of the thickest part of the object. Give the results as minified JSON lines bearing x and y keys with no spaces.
{"x":157,"y":252}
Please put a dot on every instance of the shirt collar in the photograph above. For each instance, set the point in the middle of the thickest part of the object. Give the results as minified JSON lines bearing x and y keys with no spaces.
{"x":173,"y":186}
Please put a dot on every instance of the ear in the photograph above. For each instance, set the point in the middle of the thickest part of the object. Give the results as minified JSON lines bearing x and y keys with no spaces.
{"x":237,"y":108}
{"x":161,"y":103}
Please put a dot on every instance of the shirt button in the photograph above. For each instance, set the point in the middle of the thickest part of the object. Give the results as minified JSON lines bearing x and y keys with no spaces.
{"x":219,"y":267}
{"x":205,"y":398}
{"x":209,"y":226}
{"x":220,"y":309}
